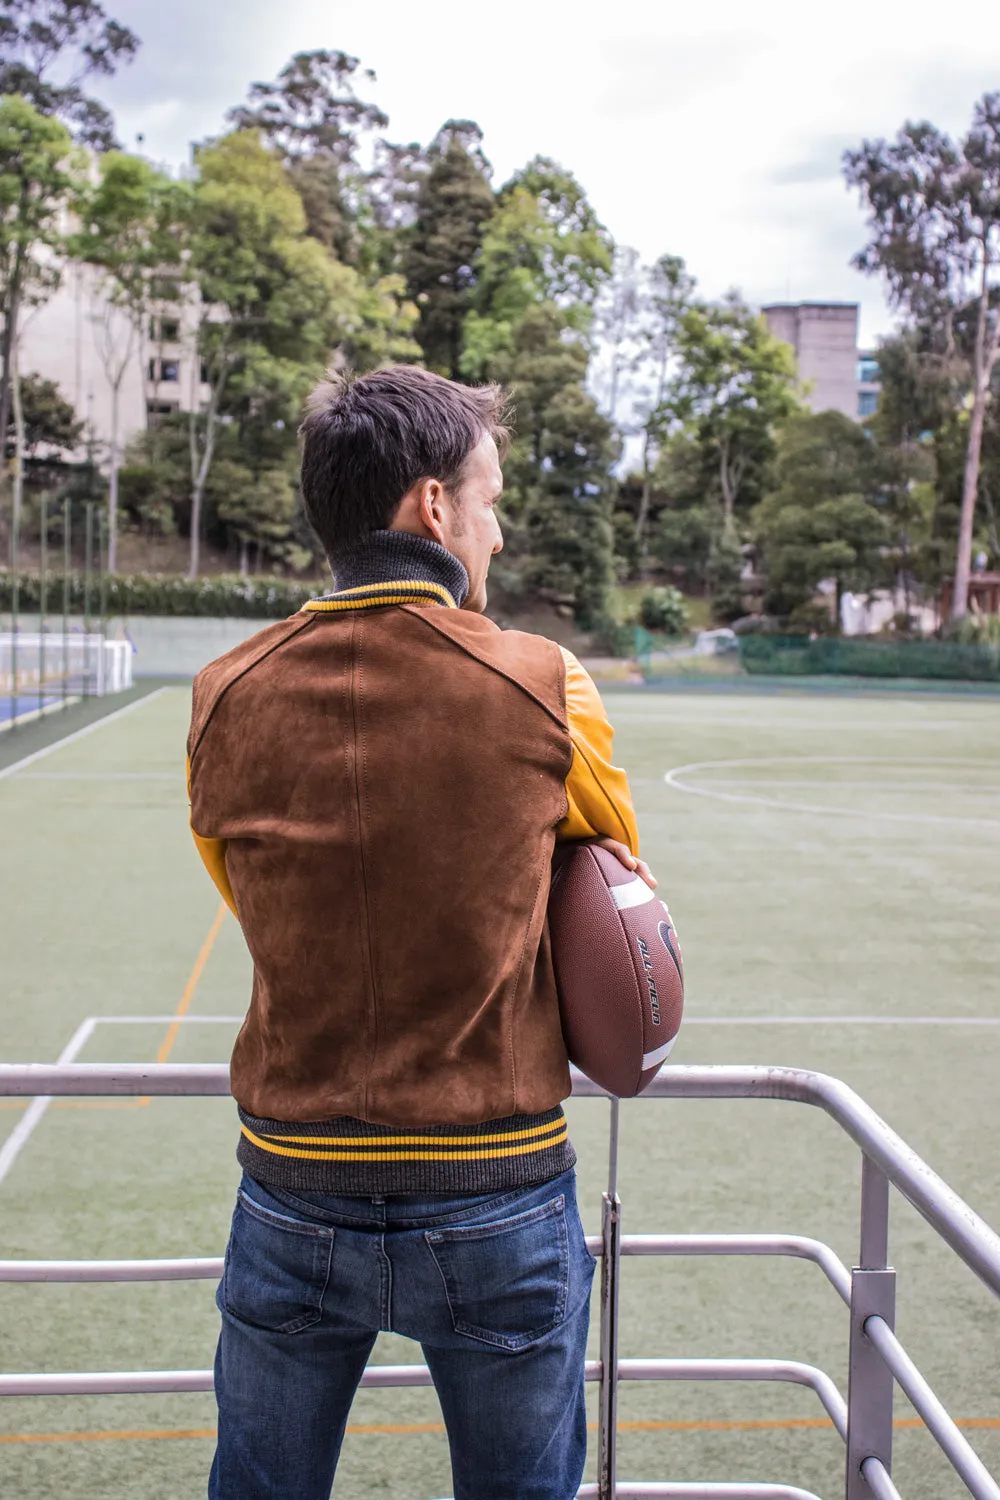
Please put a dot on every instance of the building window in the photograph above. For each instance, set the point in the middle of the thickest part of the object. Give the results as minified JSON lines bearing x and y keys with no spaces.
{"x":164,"y":369}
{"x":164,"y":330}
{"x":868,"y":370}
{"x":157,"y":411}
{"x":867,"y":403}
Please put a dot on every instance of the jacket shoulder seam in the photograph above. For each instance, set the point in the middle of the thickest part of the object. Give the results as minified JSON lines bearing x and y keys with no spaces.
{"x":423,"y":615}
{"x":221,"y":691}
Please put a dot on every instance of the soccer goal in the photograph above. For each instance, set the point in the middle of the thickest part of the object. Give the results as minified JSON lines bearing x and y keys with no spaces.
{"x":44,"y":664}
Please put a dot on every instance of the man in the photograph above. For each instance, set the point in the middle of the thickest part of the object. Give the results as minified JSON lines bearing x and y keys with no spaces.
{"x":376,"y":788}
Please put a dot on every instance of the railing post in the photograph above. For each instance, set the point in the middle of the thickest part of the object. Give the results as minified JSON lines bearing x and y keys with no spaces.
{"x":870,"y":1381}
{"x":611,"y":1260}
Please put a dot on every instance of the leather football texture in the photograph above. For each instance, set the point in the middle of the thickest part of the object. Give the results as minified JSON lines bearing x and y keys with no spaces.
{"x":618,"y":969}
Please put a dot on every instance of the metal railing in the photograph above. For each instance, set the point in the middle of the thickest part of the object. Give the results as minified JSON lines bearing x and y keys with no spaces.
{"x":877,"y":1360}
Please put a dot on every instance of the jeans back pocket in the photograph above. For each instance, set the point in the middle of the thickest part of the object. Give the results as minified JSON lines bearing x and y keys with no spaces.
{"x":507,"y":1282}
{"x":277,"y":1269}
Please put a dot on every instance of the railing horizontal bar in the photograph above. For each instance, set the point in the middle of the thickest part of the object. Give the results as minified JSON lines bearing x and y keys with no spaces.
{"x":878,"y":1481}
{"x":626,"y":1491}
{"x":784,"y":1370}
{"x":114,"y":1080}
{"x":210,"y":1267}
{"x":798,"y":1246}
{"x":967,"y":1234}
{"x":124,"y":1382}
{"x":206,"y":1268}
{"x":961,"y":1455}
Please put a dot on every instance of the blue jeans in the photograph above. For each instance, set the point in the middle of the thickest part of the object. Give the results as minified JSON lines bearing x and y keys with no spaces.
{"x":496,"y":1290}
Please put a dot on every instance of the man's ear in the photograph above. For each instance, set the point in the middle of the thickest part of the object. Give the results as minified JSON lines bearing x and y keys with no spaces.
{"x":430,"y":508}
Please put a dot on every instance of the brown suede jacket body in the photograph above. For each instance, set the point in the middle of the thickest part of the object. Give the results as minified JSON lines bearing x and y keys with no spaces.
{"x":381,"y":787}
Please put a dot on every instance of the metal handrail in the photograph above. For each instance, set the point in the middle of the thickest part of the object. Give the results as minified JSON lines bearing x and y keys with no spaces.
{"x":958,"y":1225}
{"x":209,"y":1267}
{"x":864,"y":1421}
{"x":959,"y":1451}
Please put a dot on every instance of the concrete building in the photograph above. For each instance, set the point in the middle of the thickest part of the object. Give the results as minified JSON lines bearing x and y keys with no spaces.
{"x":77,"y":337}
{"x":824,"y":338}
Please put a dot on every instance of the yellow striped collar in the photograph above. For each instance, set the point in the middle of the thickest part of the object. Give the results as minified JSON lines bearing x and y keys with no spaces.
{"x":377,"y":595}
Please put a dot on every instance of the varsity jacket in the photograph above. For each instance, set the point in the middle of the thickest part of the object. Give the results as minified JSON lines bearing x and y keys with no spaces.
{"x":376,"y":788}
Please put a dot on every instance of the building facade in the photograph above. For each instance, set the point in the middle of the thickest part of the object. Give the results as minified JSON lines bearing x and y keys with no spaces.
{"x":80,"y":340}
{"x":824,"y":338}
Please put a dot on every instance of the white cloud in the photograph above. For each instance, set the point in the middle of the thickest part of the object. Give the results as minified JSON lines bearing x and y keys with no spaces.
{"x":711,"y":131}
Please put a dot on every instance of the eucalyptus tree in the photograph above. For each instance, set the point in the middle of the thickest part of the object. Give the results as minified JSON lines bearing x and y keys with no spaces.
{"x":69,"y":40}
{"x":933,"y":208}
{"x":129,"y":222}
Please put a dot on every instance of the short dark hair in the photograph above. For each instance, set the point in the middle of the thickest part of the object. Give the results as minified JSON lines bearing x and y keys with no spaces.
{"x":367,"y":439}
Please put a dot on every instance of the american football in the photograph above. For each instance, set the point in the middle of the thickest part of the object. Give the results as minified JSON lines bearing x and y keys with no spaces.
{"x":618,"y":969}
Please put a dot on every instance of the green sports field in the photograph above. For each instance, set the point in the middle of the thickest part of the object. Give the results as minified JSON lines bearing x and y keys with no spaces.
{"x":832,"y":864}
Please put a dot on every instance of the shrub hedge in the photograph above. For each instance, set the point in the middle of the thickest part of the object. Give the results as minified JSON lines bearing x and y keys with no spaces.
{"x":260,"y":598}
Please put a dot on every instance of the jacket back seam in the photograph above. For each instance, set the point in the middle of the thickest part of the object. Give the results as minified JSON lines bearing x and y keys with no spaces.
{"x":254,"y":661}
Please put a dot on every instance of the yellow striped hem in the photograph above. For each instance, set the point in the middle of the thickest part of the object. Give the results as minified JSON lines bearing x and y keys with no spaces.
{"x":418,"y":1140}
{"x":388,"y":1156}
{"x":399,"y":591}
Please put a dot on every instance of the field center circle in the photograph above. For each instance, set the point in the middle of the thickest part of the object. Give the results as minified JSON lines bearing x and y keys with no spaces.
{"x":673,"y":779}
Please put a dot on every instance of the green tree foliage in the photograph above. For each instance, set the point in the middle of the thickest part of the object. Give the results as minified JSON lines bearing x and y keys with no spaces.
{"x":74,"y":39}
{"x":313,"y":116}
{"x":38,"y":180}
{"x":269,"y":298}
{"x":732,"y":384}
{"x":129,"y":234}
{"x":934,"y":218}
{"x":543,"y":244}
{"x":454,"y":203}
{"x":559,"y":488}
{"x":49,"y":419}
{"x":820,"y":520}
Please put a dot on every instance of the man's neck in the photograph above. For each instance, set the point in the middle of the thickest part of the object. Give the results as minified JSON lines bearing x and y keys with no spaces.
{"x":391,"y":556}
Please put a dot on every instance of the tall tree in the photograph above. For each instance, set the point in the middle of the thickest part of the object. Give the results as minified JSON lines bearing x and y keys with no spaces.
{"x":129,"y":222}
{"x":453,"y":205}
{"x":821,"y":519}
{"x":265,"y":293}
{"x":543,"y":245}
{"x":558,"y":497}
{"x":618,"y":321}
{"x":732,"y":384}
{"x":37,"y":181}
{"x":77,"y":40}
{"x":664,"y":299}
{"x":934,"y":217}
{"x":314,"y":117}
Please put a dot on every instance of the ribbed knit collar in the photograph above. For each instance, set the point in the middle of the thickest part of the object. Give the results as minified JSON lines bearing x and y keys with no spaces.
{"x":398,"y":557}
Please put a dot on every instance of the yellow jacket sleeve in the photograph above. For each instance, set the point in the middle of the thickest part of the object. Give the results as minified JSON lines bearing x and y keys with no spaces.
{"x":213,"y":855}
{"x":600,"y":803}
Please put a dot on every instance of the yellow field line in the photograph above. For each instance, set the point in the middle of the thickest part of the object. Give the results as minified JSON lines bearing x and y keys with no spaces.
{"x":392,"y":1429}
{"x":192,"y":984}
{"x":184,"y":1004}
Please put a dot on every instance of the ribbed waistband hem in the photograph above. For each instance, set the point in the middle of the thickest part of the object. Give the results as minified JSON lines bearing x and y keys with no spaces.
{"x":349,"y":1156}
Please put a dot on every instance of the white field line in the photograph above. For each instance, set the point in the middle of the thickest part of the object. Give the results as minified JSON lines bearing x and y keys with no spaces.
{"x":972,"y":788}
{"x":672,"y":779}
{"x":841,"y":1021}
{"x":25,"y":1127}
{"x":78,"y":734}
{"x":36,"y":713}
{"x":104,"y":775}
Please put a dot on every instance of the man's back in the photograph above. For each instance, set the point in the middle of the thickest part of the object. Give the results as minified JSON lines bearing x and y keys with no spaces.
{"x":388,"y":782}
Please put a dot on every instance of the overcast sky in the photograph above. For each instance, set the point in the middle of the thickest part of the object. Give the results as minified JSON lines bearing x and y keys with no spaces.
{"x":711,"y":130}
